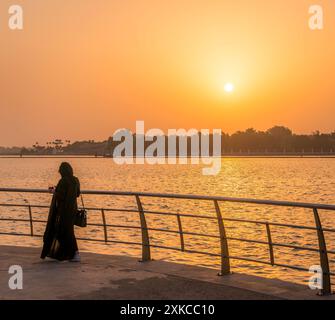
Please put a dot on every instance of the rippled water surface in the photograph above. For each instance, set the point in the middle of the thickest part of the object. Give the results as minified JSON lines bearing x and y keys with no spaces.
{"x":294,"y":179}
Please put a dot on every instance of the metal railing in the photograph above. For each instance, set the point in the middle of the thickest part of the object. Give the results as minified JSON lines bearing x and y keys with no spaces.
{"x":222,"y":235}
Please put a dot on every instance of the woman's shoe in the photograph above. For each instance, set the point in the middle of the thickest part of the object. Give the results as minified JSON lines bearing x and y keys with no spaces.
{"x":76,"y":257}
{"x":49,"y":259}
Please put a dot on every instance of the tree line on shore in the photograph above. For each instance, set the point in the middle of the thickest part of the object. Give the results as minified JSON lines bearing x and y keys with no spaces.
{"x":275,"y":140}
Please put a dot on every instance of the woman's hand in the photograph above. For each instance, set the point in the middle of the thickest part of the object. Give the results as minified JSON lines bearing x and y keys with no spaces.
{"x":52,"y":189}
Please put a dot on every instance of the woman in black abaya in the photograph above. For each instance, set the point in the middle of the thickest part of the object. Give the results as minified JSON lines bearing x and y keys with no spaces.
{"x":59,"y":239}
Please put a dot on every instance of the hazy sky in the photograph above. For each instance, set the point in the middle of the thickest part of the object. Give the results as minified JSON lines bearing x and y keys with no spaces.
{"x":82,"y":68}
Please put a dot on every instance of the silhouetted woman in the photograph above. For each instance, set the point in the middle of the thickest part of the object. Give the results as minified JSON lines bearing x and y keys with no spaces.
{"x":59,"y":239}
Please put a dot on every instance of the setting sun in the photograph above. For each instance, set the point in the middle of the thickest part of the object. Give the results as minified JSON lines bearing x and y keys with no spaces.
{"x":229,"y":87}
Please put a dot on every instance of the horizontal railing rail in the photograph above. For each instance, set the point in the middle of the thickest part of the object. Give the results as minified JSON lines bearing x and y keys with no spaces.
{"x":222,"y":236}
{"x":186,"y":197}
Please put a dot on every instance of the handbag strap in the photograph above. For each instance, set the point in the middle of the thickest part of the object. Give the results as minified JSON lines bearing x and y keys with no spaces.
{"x":82,"y":201}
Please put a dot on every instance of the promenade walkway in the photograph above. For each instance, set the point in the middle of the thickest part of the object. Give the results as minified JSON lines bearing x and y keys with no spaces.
{"x":120,"y":277}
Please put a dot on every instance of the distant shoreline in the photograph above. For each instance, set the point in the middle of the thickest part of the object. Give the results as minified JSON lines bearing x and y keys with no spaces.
{"x":236,"y":155}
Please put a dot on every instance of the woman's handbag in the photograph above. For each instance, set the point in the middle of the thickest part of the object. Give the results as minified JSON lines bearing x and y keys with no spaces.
{"x":81,"y":216}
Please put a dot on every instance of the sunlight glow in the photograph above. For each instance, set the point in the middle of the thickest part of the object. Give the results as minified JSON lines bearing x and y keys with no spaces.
{"x":229,"y":87}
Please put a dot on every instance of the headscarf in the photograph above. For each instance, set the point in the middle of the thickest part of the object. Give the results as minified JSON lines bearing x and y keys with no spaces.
{"x":66,"y":170}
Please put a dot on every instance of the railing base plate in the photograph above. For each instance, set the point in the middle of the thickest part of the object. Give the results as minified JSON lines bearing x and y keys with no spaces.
{"x":324,"y":294}
{"x":143,"y":261}
{"x":220,"y":274}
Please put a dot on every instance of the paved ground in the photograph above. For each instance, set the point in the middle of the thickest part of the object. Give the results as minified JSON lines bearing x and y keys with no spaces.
{"x":121,"y":277}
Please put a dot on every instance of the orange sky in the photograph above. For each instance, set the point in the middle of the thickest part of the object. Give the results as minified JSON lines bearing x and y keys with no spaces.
{"x":82,"y":68}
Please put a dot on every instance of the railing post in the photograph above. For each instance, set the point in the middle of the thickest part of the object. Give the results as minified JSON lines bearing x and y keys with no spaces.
{"x":268,"y":232}
{"x":225,"y":263}
{"x":181,"y":234}
{"x":31,"y":221}
{"x":326,"y":285}
{"x":104,"y":222}
{"x":146,"y":255}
